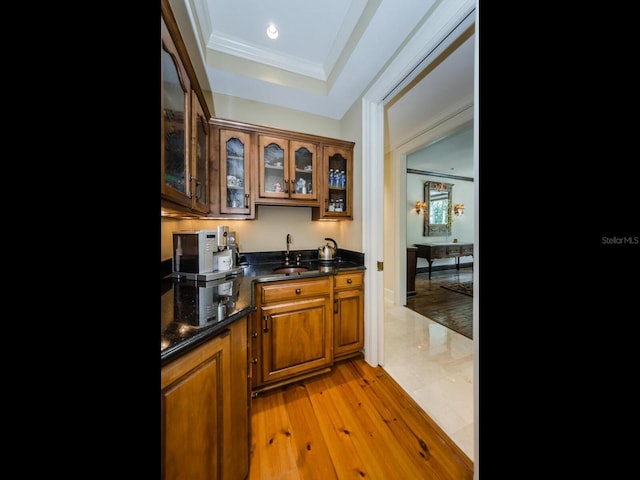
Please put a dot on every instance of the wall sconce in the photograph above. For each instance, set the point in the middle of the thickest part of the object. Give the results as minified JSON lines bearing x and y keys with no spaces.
{"x":458,"y":209}
{"x":421,"y":207}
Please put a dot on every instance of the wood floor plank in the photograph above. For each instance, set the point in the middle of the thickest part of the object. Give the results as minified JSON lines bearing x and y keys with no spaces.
{"x":272,"y":451}
{"x":414,"y":446}
{"x":383,"y":459}
{"x":413,"y":427}
{"x":349,"y":459}
{"x":312,"y":455}
{"x":355,"y":423}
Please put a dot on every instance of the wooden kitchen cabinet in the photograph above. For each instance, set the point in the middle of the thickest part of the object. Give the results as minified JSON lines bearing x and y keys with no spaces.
{"x":336,"y":183}
{"x":184,"y":129}
{"x":205,"y":410}
{"x":291,"y":331}
{"x":288,"y":171}
{"x":348,"y":314}
{"x":231,"y":185}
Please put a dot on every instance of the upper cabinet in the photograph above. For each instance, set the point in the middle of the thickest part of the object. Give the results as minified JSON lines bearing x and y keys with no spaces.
{"x":253,"y":165}
{"x":288,"y":170}
{"x":184,"y":125}
{"x":231,"y":166}
{"x":336,"y":194}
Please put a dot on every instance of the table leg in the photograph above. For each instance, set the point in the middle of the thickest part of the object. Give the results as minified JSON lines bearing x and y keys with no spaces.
{"x":430,"y":263}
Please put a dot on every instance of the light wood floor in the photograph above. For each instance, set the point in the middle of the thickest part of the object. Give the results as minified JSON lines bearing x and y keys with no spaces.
{"x":355,"y":422}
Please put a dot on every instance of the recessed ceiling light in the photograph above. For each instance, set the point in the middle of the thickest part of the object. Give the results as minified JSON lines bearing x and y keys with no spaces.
{"x":272,"y":31}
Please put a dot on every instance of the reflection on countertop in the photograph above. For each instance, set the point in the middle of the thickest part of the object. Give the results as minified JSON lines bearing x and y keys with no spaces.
{"x":193,"y":311}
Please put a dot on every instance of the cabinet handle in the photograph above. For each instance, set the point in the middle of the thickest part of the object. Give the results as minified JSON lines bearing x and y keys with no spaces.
{"x":298,"y":291}
{"x":254,"y":335}
{"x":286,"y":185}
{"x":254,"y":360}
{"x":349,"y":280}
{"x":335,"y":306}
{"x":246,"y":200}
{"x":265,"y":318}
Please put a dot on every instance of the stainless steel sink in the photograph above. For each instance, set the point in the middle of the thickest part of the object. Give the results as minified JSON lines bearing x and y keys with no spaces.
{"x":291,"y":269}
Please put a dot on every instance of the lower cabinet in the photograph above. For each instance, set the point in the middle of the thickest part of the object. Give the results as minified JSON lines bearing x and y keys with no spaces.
{"x":205,"y":410}
{"x":348,"y":314}
{"x":291,"y":331}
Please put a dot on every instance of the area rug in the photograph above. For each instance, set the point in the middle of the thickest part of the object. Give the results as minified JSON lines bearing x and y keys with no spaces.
{"x":464,"y":287}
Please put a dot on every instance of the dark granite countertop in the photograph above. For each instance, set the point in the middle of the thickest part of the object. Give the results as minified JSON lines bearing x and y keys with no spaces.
{"x":193,"y":311}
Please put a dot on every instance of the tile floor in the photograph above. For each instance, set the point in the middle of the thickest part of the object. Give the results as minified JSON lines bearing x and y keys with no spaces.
{"x":435,"y":366}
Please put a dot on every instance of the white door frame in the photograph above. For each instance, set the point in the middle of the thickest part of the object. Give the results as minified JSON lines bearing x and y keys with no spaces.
{"x":431,"y":39}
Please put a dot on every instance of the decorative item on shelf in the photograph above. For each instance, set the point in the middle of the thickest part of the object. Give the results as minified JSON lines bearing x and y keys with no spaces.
{"x":421,"y":207}
{"x":440,"y":187}
{"x":458,"y":209}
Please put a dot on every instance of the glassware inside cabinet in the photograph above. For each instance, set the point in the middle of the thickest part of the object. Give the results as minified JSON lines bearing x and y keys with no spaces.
{"x":235,"y":173}
{"x":274,"y":169}
{"x":338,"y":172}
{"x":303,"y":174}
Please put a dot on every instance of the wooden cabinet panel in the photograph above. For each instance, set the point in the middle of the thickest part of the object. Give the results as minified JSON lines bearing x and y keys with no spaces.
{"x":296,"y":338}
{"x":184,"y":144}
{"x":235,"y":167}
{"x":336,"y":184}
{"x":196,"y":399}
{"x":291,"y":290}
{"x":291,"y":330}
{"x":348,"y":314}
{"x":205,"y":409}
{"x":288,"y":170}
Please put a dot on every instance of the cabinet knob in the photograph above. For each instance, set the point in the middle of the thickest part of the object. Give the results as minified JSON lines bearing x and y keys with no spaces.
{"x":254,"y":360}
{"x":298,"y":291}
{"x":254,"y":335}
{"x":349,"y":280}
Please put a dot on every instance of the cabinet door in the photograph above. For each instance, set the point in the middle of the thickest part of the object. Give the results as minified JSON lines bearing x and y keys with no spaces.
{"x":336,"y":184}
{"x":195,"y":401}
{"x":235,"y":181}
{"x":295,"y":338}
{"x":200,"y":149}
{"x":348,"y":322}
{"x":348,"y":314}
{"x":303,"y":170}
{"x":175,"y":137}
{"x":274,"y":172}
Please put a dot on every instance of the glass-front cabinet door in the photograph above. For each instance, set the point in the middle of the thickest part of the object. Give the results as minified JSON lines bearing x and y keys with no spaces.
{"x":175,"y":138}
{"x":199,"y":181}
{"x":337,"y":183}
{"x":274,"y":174}
{"x":234,"y":172}
{"x":288,"y":170}
{"x":302,"y":170}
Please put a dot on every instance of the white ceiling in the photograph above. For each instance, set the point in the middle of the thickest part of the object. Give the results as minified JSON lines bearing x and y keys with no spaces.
{"x":327,"y":54}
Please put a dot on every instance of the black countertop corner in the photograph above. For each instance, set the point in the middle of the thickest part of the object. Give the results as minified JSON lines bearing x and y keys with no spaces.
{"x":193,"y":311}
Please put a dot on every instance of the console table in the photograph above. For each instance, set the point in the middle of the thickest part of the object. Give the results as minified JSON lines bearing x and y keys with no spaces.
{"x":432,"y":251}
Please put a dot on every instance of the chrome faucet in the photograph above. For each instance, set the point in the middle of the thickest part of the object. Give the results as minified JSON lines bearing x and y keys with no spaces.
{"x":286,"y":255}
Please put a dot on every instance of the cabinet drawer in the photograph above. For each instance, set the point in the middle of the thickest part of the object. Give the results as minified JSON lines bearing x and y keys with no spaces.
{"x":453,"y":251}
{"x":291,"y":290}
{"x":467,"y":250}
{"x":348,"y":280}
